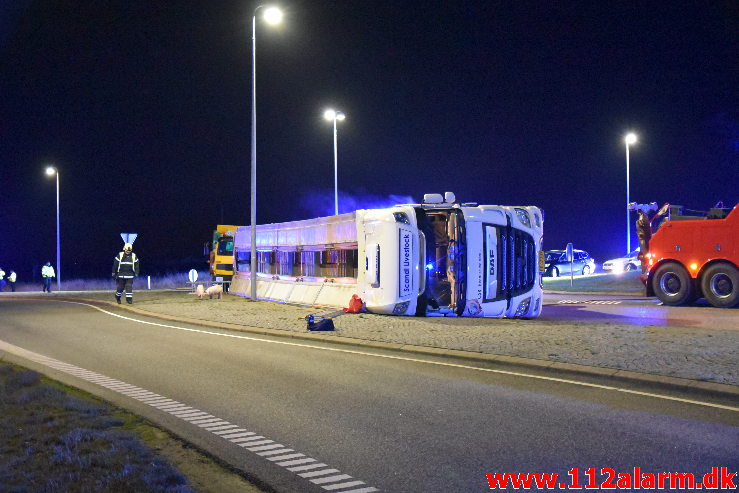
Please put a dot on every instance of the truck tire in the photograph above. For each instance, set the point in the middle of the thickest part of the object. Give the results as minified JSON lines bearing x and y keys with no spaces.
{"x":672,"y":284}
{"x":720,"y":285}
{"x":553,"y":272}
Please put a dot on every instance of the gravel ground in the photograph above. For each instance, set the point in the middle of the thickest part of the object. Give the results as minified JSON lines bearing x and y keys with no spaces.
{"x":693,"y":353}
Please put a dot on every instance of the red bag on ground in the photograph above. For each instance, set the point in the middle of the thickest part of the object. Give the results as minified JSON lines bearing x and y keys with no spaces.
{"x":355,"y":305}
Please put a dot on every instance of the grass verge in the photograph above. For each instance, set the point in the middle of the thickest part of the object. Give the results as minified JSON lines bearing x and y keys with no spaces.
{"x":57,"y":438}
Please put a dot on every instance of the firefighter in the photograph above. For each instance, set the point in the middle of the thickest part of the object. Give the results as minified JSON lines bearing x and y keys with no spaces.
{"x":11,"y":280}
{"x":47,"y":272}
{"x":644,"y":233}
{"x":125,"y":268}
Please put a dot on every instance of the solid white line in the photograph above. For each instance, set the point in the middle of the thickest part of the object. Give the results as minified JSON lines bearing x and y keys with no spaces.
{"x":416,"y":360}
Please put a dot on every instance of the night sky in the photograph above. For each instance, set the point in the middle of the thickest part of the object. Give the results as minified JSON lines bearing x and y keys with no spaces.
{"x":144,"y":106}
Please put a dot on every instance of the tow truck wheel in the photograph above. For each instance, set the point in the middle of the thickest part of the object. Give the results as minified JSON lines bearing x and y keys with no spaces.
{"x":672,"y":284}
{"x":720,"y":285}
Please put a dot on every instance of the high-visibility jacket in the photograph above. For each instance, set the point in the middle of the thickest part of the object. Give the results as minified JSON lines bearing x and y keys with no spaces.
{"x":125,"y":265}
{"x":47,"y":271}
{"x":11,"y":277}
{"x":2,"y":274}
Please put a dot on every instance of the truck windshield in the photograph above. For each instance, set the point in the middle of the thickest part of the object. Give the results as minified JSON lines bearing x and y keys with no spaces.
{"x":226,"y":246}
{"x":445,"y":257}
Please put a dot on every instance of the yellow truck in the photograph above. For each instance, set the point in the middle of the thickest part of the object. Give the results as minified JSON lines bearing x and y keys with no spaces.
{"x":222,"y":255}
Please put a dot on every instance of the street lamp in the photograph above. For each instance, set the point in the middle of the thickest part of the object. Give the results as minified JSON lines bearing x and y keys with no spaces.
{"x":629,"y":139}
{"x":51,"y":171}
{"x":333,"y":115}
{"x":272,"y":16}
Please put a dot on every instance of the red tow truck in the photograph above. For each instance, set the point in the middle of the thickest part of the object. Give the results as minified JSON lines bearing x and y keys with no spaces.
{"x":694,"y":256}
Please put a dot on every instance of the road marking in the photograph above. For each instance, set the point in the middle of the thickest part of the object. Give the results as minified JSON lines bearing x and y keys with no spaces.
{"x":416,"y":360}
{"x":262,"y":447}
{"x":322,"y":472}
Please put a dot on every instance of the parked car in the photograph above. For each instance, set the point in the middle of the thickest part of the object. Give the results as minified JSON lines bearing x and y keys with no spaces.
{"x":556,"y":264}
{"x":622,"y":264}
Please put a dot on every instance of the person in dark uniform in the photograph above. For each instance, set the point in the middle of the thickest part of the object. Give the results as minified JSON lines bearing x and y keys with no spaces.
{"x":125,"y":268}
{"x":644,"y":233}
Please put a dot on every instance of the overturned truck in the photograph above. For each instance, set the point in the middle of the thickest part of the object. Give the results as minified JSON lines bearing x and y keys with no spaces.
{"x":435,"y":258}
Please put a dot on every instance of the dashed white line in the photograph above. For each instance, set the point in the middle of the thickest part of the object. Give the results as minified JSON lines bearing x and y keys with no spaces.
{"x":302,"y":461}
{"x":330,"y":479}
{"x":261,"y":446}
{"x":313,"y":474}
{"x":343,"y":485}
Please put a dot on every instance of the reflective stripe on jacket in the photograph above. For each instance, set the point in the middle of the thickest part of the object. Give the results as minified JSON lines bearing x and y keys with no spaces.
{"x":125,"y":266}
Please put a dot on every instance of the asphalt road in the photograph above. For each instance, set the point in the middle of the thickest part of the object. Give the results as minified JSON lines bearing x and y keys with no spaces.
{"x":636,"y":310}
{"x":315,"y":417}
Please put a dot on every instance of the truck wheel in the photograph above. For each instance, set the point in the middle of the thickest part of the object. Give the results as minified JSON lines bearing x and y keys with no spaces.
{"x":629,"y":267}
{"x":672,"y":284}
{"x":720,"y":285}
{"x":554,"y":272}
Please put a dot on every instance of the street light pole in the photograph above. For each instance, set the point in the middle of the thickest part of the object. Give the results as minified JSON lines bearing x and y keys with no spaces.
{"x":629,"y":139}
{"x":333,"y":115}
{"x":272,"y":15}
{"x":51,"y":170}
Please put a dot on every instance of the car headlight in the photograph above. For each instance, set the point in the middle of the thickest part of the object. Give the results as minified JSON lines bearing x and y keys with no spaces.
{"x":523,"y":307}
{"x":523,"y":216}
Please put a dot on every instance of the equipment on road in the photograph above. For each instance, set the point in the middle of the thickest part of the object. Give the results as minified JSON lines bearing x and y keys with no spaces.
{"x":691,"y":254}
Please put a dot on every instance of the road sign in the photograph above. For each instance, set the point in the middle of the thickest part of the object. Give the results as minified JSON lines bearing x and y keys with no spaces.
{"x":129,"y":237}
{"x":192,"y":275}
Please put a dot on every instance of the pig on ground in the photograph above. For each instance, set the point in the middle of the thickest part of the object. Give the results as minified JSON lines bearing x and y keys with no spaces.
{"x":216,"y":290}
{"x":200,"y":292}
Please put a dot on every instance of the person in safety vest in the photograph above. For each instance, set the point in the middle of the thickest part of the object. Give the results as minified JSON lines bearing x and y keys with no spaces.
{"x":47,"y":273}
{"x":2,"y":278}
{"x":11,"y":280}
{"x":125,"y":268}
